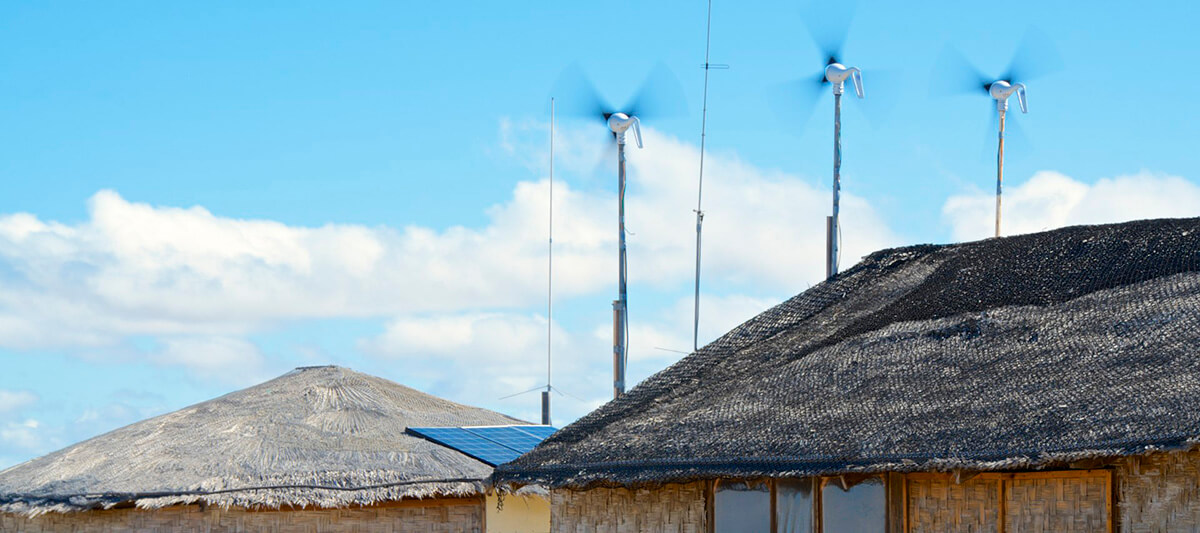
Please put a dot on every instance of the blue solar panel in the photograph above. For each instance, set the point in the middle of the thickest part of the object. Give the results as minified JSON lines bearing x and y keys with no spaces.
{"x":541,"y":432}
{"x":469,"y":443}
{"x":509,"y":437}
{"x":491,"y":444}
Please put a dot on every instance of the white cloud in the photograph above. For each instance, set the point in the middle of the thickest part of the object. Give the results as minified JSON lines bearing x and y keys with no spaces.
{"x":659,"y":338}
{"x":499,"y":354}
{"x":1051,"y":200}
{"x":492,"y":355}
{"x":230,"y":360}
{"x":11,"y":401}
{"x":762,"y":229}
{"x":24,"y":436}
{"x":499,"y":338}
{"x":137,"y":269}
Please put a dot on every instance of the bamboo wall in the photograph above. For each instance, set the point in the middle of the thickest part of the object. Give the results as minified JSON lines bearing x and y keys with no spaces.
{"x":667,"y":509}
{"x":937,"y":504}
{"x":1159,"y":493}
{"x":1033,"y":502}
{"x":435,"y":516}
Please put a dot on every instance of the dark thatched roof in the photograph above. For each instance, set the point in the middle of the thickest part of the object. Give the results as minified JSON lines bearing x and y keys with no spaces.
{"x":1016,"y":352}
{"x":316,"y":436}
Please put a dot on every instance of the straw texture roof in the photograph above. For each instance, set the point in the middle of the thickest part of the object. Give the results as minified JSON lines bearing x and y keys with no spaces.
{"x":1016,"y":352}
{"x":316,"y":436}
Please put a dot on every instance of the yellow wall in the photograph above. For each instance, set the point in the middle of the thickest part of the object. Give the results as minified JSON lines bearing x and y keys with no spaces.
{"x":521,"y":514}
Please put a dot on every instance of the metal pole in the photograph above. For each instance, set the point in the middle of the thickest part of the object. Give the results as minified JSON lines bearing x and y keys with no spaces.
{"x":999,"y":170}
{"x":828,"y":247}
{"x":696,"y":315}
{"x":700,"y":182}
{"x":620,"y":307}
{"x":549,"y":279}
{"x":837,"y":183}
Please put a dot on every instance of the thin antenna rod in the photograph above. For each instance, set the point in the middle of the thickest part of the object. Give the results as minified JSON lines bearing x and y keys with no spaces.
{"x":700,"y":181}
{"x":549,"y":280}
{"x":999,"y":170}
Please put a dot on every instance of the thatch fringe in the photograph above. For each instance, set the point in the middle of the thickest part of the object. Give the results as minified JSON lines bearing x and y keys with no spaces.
{"x":262,"y":497}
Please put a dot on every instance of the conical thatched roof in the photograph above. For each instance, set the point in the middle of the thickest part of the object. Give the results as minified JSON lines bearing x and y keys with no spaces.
{"x":1020,"y":352}
{"x":316,"y":436}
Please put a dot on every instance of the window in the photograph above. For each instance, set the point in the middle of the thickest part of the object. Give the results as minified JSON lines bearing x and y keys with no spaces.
{"x":741,"y":507}
{"x":861,"y":508}
{"x":794,"y":505}
{"x":843,"y":504}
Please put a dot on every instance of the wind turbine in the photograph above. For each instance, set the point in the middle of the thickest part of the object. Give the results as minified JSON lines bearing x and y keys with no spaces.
{"x":659,"y":95}
{"x":1001,"y":90}
{"x":1035,"y":56}
{"x":828,"y":32}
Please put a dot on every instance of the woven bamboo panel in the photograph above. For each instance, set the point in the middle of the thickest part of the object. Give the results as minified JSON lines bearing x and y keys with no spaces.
{"x":1046,"y":504}
{"x":1160,"y":492}
{"x":938,"y":504}
{"x":460,"y":518}
{"x":667,"y":509}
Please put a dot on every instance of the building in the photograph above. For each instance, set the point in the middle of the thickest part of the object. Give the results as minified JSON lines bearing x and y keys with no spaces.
{"x":317,"y":449}
{"x":1043,"y":382}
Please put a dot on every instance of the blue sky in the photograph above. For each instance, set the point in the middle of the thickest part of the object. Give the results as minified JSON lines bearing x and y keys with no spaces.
{"x":199,"y":197}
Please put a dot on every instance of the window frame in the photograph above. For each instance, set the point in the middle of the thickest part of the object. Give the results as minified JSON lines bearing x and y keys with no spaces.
{"x":896,"y":497}
{"x":819,"y":482}
{"x":711,"y":493}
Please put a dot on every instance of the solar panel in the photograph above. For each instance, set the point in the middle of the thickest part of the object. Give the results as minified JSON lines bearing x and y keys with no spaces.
{"x":493,"y":445}
{"x":541,"y":432}
{"x":509,"y":437}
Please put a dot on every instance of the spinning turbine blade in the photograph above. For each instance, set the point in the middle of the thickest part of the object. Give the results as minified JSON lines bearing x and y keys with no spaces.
{"x":579,"y":97}
{"x":795,"y":101}
{"x":660,"y":96}
{"x":954,"y":74}
{"x":827,"y":24}
{"x":1035,"y":56}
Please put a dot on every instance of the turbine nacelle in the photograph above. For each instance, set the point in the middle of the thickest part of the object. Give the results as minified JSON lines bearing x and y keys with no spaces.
{"x":1002,"y":89}
{"x":619,"y":123}
{"x":837,"y":74}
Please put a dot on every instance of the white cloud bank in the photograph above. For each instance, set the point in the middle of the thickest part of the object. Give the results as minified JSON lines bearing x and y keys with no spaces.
{"x":136,"y":269}
{"x":498,"y":354}
{"x":458,"y":300}
{"x":1051,"y":200}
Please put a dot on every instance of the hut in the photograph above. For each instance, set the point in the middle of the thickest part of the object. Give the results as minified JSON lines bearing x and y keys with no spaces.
{"x":1036,"y":383}
{"x":317,"y":449}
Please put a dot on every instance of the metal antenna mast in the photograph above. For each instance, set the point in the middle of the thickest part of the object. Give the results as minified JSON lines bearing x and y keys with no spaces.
{"x":700,"y":183}
{"x":1001,"y":90}
{"x":836,"y":73}
{"x":549,"y":279}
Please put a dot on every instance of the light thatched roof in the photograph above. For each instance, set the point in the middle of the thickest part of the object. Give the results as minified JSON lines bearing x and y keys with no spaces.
{"x":1020,"y":352}
{"x":316,"y":436}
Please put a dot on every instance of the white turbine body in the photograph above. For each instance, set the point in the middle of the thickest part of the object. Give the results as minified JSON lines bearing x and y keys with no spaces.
{"x":837,"y":74}
{"x":1002,"y":90}
{"x":619,"y":123}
